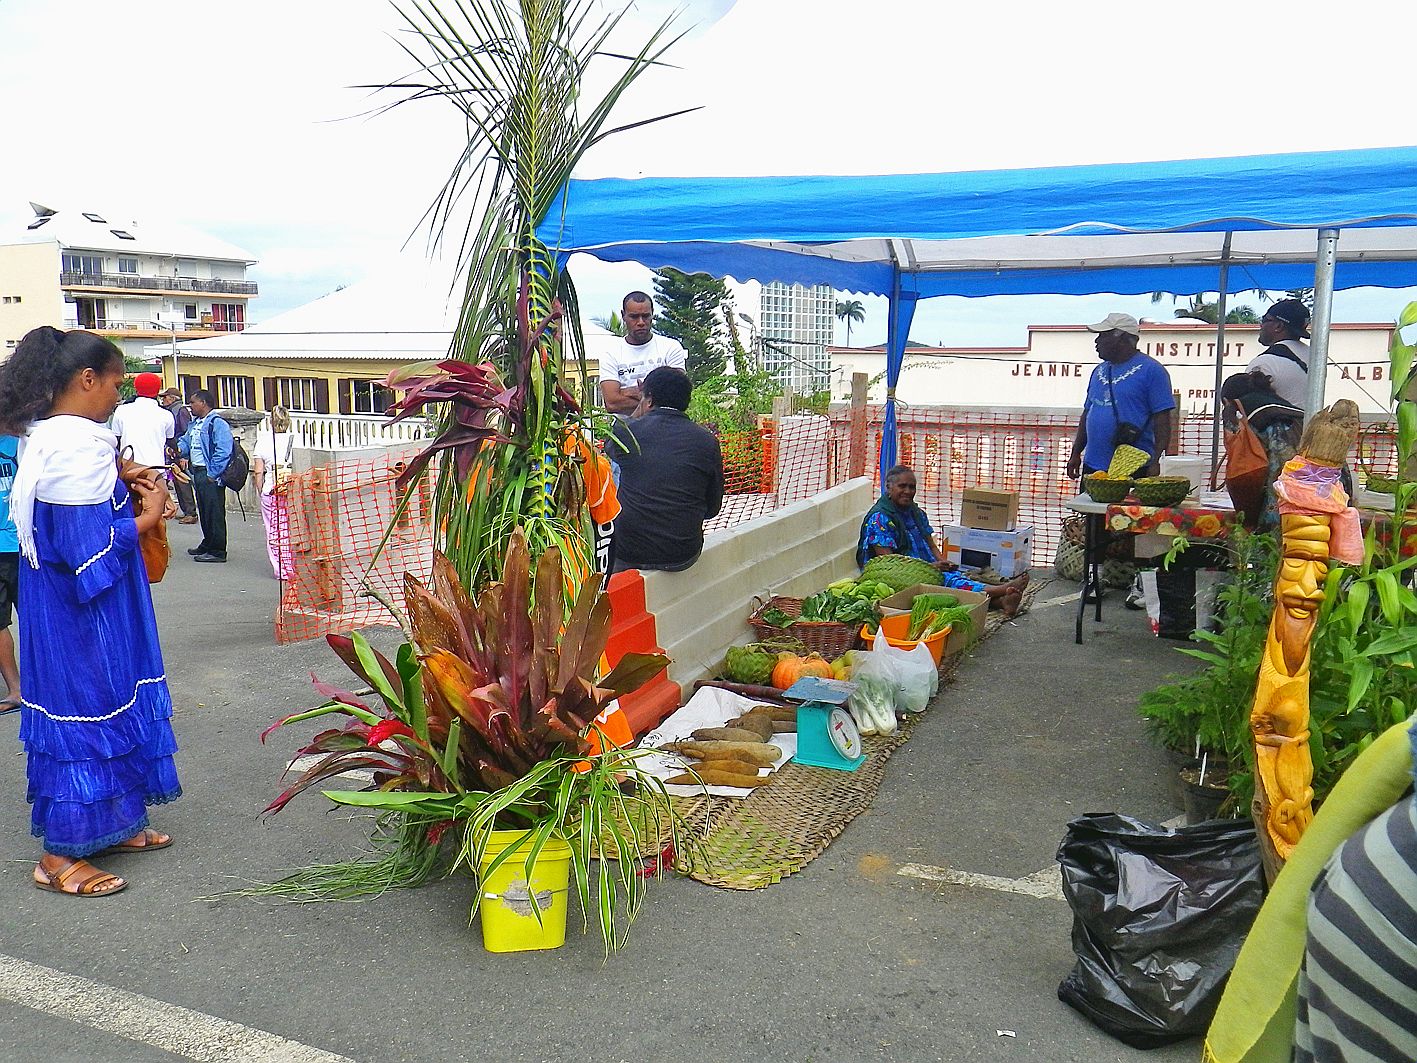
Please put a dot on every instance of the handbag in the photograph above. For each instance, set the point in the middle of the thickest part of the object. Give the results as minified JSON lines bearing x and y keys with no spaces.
{"x":152,"y":544}
{"x":1246,"y":467}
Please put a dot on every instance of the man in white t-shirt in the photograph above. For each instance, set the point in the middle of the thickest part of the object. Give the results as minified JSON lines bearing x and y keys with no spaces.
{"x":143,"y":424}
{"x":1285,"y":360}
{"x":640,"y":350}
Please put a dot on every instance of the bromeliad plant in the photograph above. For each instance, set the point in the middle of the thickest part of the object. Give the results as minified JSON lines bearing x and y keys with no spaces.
{"x":486,"y":721}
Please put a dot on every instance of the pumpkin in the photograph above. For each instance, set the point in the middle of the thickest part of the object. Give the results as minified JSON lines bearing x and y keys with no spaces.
{"x":790,"y":668}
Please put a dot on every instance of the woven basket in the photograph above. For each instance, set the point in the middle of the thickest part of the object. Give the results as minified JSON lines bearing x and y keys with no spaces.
{"x":1161,"y":490}
{"x":1107,"y":489}
{"x":826,"y":637}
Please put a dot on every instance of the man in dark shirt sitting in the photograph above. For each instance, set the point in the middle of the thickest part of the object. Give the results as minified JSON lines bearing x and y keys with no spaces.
{"x":671,"y":477}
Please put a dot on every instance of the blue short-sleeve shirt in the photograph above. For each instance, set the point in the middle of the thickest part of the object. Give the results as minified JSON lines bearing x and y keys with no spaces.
{"x":1142,"y":389}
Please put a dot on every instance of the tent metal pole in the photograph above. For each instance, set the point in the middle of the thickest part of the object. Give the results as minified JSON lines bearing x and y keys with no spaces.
{"x":1220,"y":312}
{"x":1323,"y":316}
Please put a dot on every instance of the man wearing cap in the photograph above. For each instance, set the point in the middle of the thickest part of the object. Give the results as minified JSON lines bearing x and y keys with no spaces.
{"x":144,"y":425}
{"x":171,"y":401}
{"x":1128,"y":400}
{"x":1285,"y":359}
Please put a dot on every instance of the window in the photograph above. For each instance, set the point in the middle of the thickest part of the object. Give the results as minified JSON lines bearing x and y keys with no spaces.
{"x":190,"y":311}
{"x":127,"y":265}
{"x":298,"y":394}
{"x":122,"y":235}
{"x":13,"y":298}
{"x":38,"y":222}
{"x":97,"y":218}
{"x":72,"y":263}
{"x":228,"y":317}
{"x":368,"y":396}
{"x":232,"y":391}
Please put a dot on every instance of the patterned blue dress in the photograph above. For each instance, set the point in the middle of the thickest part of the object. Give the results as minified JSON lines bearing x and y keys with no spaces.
{"x":877,"y":530}
{"x":96,"y":723}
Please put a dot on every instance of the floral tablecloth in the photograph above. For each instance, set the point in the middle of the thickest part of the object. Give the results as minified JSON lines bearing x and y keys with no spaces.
{"x":1194,"y":522}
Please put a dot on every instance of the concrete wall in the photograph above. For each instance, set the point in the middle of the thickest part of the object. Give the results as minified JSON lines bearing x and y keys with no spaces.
{"x":794,"y":551}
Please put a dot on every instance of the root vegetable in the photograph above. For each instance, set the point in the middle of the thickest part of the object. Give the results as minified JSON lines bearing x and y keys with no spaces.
{"x":749,"y":752}
{"x":728,"y":734}
{"x":737,"y":767}
{"x":758,"y":723}
{"x":713,"y":777}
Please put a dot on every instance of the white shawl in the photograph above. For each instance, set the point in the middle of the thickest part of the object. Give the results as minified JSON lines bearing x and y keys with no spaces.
{"x":64,"y":459}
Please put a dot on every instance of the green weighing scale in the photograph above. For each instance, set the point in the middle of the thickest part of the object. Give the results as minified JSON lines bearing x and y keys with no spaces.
{"x":827,"y":736}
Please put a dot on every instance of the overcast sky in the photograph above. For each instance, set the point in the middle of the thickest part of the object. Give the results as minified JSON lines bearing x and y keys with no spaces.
{"x":242,"y":120}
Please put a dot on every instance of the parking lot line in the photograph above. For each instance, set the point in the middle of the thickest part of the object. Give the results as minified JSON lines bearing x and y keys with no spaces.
{"x":174,"y":1029}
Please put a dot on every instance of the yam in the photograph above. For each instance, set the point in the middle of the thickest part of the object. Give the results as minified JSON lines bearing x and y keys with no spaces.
{"x":715,"y":777}
{"x":728,"y":734}
{"x":786,"y":722}
{"x":740,"y":767}
{"x":759,"y":724}
{"x":749,"y":752}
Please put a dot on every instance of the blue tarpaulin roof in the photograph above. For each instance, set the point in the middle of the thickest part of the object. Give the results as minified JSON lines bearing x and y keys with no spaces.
{"x":993,"y":232}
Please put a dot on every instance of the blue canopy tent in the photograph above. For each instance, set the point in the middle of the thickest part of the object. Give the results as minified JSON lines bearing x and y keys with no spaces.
{"x":1120,"y":228}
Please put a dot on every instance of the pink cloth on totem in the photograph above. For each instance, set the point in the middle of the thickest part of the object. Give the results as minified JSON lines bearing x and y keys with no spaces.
{"x":1308,"y":487}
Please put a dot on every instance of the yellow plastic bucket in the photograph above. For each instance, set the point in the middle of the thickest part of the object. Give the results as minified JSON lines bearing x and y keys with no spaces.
{"x":508,"y":922}
{"x":895,"y":629}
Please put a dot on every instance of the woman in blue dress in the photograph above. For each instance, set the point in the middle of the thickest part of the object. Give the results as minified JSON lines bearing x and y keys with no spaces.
{"x":896,"y":525}
{"x":96,"y":713}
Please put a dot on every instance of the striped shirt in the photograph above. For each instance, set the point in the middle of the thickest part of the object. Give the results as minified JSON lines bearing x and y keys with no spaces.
{"x":1357,"y":995}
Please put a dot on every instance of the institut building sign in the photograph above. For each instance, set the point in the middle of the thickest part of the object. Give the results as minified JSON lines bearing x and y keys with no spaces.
{"x":1052,"y":371}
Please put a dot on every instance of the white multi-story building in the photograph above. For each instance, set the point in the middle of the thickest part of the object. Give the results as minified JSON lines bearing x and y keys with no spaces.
{"x":133,"y":282}
{"x":796,"y":324}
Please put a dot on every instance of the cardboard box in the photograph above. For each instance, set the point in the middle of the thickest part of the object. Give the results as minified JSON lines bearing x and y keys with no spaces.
{"x":978,"y":612}
{"x":990,"y":510}
{"x":1009,"y":553}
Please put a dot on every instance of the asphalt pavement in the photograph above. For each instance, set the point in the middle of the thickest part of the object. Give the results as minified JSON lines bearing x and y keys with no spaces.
{"x":848,"y":960}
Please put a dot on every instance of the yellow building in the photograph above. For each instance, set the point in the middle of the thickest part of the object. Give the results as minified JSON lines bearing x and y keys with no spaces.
{"x":331,"y":355}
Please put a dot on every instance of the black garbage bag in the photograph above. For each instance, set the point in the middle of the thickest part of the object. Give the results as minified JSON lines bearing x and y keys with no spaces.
{"x":1158,"y":918}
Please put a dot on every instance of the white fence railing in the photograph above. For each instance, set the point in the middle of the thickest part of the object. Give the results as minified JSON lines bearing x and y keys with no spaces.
{"x":327,"y":432}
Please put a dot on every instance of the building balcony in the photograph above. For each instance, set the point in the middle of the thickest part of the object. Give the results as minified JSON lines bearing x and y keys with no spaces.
{"x":145,"y":330}
{"x":135,"y":283}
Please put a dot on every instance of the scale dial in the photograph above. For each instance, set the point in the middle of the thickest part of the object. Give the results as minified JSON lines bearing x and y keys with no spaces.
{"x":844,"y":735}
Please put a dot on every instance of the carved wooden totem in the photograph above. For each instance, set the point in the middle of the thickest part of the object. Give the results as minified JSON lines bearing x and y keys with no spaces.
{"x":1279,"y":715}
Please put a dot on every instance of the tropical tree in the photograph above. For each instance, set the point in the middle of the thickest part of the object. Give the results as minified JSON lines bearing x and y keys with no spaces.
{"x":611,"y":324}
{"x":851,"y":311}
{"x":1203,"y":309}
{"x":516,"y":74}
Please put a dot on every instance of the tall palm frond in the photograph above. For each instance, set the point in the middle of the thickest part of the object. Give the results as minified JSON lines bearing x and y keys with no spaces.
{"x":515,"y":72}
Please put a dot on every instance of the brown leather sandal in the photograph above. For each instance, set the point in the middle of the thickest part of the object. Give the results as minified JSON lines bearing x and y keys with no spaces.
{"x":141,"y":843}
{"x":78,"y":878}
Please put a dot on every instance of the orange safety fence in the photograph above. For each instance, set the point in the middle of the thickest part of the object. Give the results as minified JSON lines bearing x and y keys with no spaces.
{"x":338,"y":514}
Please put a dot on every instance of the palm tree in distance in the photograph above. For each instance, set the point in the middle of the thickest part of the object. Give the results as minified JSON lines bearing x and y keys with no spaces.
{"x":850,"y":311}
{"x":610,"y":324}
{"x":1203,"y":310}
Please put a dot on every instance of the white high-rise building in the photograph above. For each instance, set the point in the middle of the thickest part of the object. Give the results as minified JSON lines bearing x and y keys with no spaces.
{"x":796,"y":326}
{"x":134,"y":283}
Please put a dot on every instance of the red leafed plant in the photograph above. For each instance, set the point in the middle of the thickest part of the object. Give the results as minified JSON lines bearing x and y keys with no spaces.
{"x":485,"y":721}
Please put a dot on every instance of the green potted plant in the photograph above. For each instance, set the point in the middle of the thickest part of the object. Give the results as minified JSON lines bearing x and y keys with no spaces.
{"x":486,"y":755}
{"x":1202,"y":719}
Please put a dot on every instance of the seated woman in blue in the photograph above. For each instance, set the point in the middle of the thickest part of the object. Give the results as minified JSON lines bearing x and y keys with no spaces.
{"x":95,"y":713}
{"x":896,"y":525}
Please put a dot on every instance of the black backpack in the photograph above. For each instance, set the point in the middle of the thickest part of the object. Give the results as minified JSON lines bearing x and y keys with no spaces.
{"x":238,"y":469}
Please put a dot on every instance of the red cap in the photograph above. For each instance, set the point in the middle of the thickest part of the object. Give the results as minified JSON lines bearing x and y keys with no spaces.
{"x":147,"y":385}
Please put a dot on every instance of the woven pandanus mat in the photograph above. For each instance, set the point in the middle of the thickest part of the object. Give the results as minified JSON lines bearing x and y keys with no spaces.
{"x":781,"y":828}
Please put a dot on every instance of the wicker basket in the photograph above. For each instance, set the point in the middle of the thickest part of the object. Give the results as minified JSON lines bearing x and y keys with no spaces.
{"x":1107,"y":488}
{"x":1161,"y":490}
{"x":826,"y":637}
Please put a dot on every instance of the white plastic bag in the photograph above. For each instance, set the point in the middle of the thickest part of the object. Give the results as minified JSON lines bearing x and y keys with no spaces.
{"x":918,"y":677}
{"x":872,"y":706}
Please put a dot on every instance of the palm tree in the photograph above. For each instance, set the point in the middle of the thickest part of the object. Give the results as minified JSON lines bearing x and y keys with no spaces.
{"x":611,"y":324}
{"x":850,"y":311}
{"x":515,"y":71}
{"x":1202,"y":309}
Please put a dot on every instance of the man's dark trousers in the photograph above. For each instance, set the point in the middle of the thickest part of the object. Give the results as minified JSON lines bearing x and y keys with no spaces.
{"x":211,"y":512}
{"x":186,"y":500}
